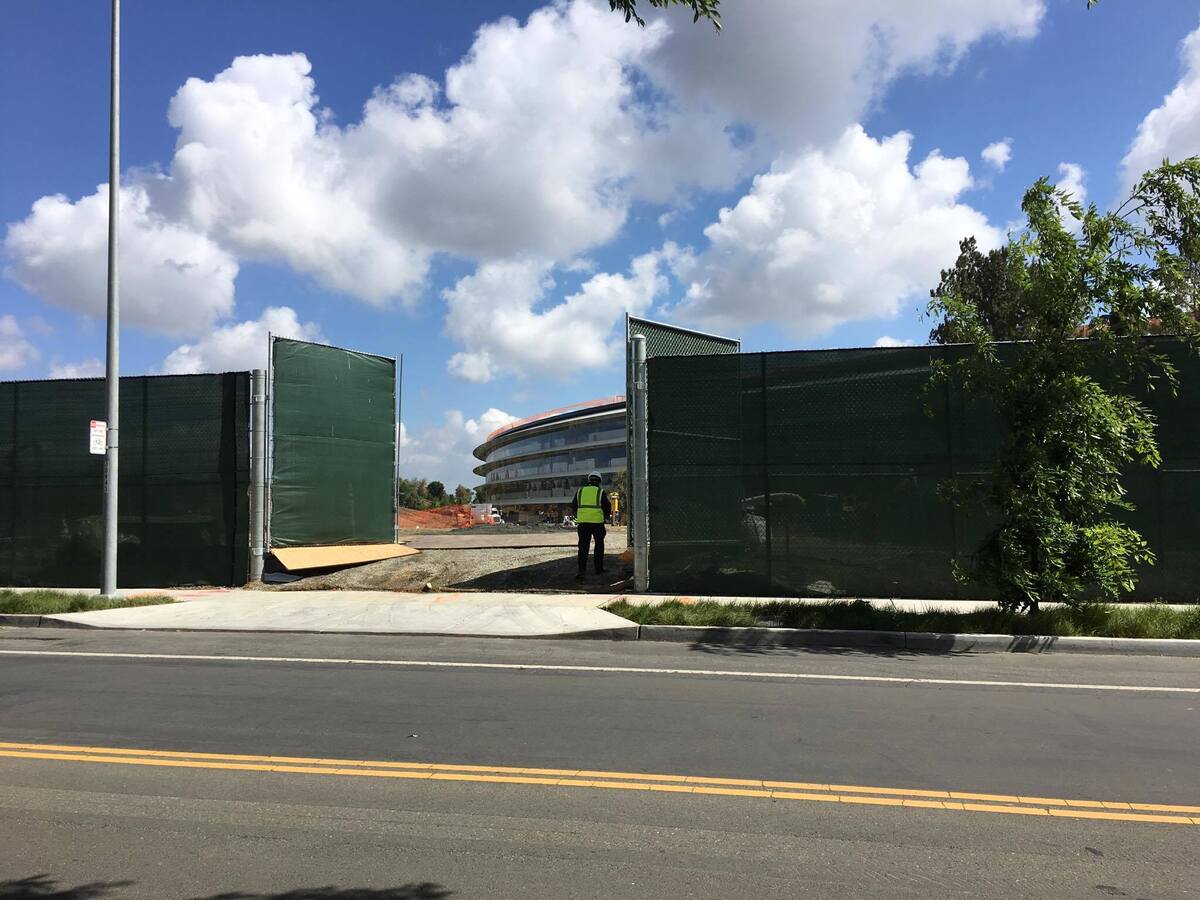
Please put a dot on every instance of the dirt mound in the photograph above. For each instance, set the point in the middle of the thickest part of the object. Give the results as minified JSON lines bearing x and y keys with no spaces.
{"x":439,"y":517}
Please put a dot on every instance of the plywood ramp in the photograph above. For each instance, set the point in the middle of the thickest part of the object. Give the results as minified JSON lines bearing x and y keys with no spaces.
{"x":298,"y":558}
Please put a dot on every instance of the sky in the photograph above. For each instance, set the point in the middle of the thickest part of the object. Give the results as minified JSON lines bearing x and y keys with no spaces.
{"x":488,"y":188}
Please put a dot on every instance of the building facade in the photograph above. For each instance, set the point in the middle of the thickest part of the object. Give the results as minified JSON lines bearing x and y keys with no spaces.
{"x":532,"y":467}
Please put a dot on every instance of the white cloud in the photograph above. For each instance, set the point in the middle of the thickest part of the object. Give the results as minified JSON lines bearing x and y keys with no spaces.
{"x":803,"y":72}
{"x":261,"y":167}
{"x":1073,"y":180}
{"x":88,"y":368}
{"x":542,"y":141}
{"x":16,"y":352}
{"x":444,"y":451}
{"x":998,"y":154}
{"x":889,"y":341}
{"x":534,"y":146}
{"x":1172,"y":130}
{"x":241,"y":346}
{"x":475,"y":366}
{"x":833,"y":236}
{"x":173,"y":279}
{"x":498,"y":313}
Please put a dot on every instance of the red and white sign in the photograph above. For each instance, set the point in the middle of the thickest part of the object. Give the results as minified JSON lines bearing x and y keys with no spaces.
{"x":97,"y":437}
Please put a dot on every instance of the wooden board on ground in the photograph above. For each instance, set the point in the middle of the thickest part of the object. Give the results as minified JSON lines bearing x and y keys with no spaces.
{"x":298,"y":558}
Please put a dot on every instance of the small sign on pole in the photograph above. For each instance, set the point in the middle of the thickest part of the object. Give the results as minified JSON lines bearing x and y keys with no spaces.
{"x":97,"y":437}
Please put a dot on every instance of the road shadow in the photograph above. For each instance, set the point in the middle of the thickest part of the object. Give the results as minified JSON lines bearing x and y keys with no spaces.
{"x":890,"y":645}
{"x":798,"y":650}
{"x":43,"y":887}
{"x":425,"y":890}
{"x":555,"y":575}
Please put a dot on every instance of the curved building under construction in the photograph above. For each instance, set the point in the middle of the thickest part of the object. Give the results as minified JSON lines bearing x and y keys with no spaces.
{"x":532,"y":467}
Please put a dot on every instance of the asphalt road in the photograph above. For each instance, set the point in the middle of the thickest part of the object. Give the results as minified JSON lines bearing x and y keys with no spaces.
{"x":908,"y":775}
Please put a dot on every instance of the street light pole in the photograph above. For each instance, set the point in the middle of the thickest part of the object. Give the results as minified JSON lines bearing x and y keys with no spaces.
{"x":112,"y":365}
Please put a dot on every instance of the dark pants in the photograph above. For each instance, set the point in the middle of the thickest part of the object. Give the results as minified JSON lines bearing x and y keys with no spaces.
{"x":590,"y":531}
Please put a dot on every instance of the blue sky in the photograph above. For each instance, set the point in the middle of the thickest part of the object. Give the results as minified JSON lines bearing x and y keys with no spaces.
{"x":494,"y":227}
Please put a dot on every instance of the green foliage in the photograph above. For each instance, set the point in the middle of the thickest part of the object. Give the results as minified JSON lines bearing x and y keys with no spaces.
{"x":1089,"y":620}
{"x":620,"y":484}
{"x":417,"y":493}
{"x":462,"y":495}
{"x":1070,"y":273}
{"x":412,"y":493}
{"x":49,"y":602}
{"x":701,"y":9}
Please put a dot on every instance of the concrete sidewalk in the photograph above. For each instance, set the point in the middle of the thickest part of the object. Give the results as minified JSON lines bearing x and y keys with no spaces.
{"x":473,"y":614}
{"x":369,"y":612}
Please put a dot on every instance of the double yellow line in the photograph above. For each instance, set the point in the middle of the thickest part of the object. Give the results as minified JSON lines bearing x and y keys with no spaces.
{"x":962,"y":801}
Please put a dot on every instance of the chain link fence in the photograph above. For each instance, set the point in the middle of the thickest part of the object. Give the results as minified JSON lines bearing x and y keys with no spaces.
{"x":183,"y":481}
{"x":816,"y":473}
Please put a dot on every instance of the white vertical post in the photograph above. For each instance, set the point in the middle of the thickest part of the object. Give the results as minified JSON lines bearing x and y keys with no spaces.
{"x":639,"y":480}
{"x":396,"y":455}
{"x":258,"y":471}
{"x":112,"y":366}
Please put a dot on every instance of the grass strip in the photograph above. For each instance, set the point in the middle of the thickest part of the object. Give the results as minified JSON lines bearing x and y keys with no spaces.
{"x":48,"y":603}
{"x":1091,"y":620}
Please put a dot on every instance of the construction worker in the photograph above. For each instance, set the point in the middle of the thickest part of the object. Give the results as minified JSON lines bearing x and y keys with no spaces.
{"x":592,"y":507}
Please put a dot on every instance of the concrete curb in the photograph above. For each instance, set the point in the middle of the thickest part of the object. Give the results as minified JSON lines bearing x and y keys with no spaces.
{"x":771,"y":637}
{"x":628,"y":632}
{"x":21,"y":620}
{"x":918,"y":641}
{"x":915,"y":641}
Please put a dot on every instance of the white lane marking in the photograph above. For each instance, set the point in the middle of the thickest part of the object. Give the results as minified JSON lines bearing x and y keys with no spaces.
{"x":623,"y":670}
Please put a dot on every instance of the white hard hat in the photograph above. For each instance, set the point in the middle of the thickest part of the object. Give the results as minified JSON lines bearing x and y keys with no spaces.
{"x":594,"y":474}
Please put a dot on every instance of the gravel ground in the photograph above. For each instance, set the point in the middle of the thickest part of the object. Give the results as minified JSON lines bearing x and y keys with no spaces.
{"x":534,"y":569}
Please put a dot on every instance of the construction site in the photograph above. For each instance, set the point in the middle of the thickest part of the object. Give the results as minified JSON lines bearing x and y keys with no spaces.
{"x":807,"y":473}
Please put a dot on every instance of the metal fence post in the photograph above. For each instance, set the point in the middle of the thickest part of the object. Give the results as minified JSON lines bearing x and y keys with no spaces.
{"x":258,"y":470}
{"x":639,"y":481}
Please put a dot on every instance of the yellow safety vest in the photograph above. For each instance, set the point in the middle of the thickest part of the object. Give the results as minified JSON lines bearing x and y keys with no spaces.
{"x":589,"y":511}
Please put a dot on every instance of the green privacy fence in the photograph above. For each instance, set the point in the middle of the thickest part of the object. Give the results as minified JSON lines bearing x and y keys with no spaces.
{"x":817,"y":472}
{"x":183,"y":502}
{"x":663,"y":339}
{"x":333,"y":445}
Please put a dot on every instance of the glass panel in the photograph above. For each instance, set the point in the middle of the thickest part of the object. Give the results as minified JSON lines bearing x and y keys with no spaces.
{"x":605,"y":431}
{"x":582,"y":462}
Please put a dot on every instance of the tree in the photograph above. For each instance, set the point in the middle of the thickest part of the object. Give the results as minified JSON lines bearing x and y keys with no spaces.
{"x":462,"y":495}
{"x":412,"y":493}
{"x":1056,"y":486}
{"x":988,"y":283}
{"x":701,"y":9}
{"x":620,"y":484}
{"x":437,"y":491}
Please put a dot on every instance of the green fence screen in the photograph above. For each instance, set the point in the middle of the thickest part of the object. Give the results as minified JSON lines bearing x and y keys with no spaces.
{"x":184,"y":473}
{"x":333,"y":446}
{"x":663,"y":339}
{"x":817,"y":472}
